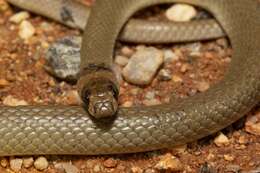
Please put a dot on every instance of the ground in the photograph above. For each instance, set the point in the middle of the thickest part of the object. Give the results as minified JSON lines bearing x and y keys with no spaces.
{"x":23,"y":77}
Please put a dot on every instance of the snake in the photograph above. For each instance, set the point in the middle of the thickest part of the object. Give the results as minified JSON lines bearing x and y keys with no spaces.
{"x":70,"y":130}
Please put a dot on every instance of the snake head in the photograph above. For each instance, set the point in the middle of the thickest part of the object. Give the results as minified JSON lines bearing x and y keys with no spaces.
{"x":102,"y":104}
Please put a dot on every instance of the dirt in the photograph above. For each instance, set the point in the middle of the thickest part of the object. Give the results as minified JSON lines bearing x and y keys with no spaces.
{"x":24,"y":78}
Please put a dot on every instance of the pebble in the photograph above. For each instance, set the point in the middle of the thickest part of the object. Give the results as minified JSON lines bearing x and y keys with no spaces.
{"x":169,"y":163}
{"x":3,"y":83}
{"x":73,"y":97}
{"x":252,"y":124}
{"x":97,"y":168}
{"x":151,"y":102}
{"x":202,"y":86}
{"x":181,"y":13}
{"x":26,"y":30}
{"x":221,"y":140}
{"x":41,"y":163}
{"x":28,"y":162}
{"x":66,"y":167}
{"x":170,"y":56}
{"x":206,"y":168}
{"x":164,"y":75}
{"x":63,"y":57}
{"x":126,"y":51}
{"x":143,"y":65}
{"x":176,"y":78}
{"x":110,"y":163}
{"x":19,"y":17}
{"x":121,"y":60}
{"x":3,"y":6}
{"x":4,"y":162}
{"x":233,"y":168}
{"x":136,"y":170}
{"x":16,"y":164}
{"x":228,"y":157}
{"x":11,"y":101}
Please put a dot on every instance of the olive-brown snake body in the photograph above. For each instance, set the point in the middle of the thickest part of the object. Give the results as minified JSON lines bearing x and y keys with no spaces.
{"x":69,"y":130}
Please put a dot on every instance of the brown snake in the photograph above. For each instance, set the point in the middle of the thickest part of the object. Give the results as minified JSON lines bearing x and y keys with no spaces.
{"x":70,"y":130}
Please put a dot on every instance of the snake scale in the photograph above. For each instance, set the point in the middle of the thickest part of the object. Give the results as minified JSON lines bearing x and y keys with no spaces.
{"x":34,"y":130}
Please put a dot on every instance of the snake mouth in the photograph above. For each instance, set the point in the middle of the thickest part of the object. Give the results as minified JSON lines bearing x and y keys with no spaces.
{"x":100,"y":99}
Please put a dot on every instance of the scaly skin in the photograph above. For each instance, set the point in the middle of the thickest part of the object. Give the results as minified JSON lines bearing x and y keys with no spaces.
{"x":34,"y":130}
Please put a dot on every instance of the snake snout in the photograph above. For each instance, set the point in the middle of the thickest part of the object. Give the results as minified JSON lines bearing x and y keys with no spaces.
{"x":102,"y":105}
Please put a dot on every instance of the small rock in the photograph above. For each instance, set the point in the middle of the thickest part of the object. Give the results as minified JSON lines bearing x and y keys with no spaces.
{"x":3,"y":83}
{"x":242,"y":140}
{"x":16,"y":164}
{"x":176,"y":78}
{"x":11,"y":101}
{"x":233,"y":168}
{"x":181,"y":13}
{"x":150,"y":95}
{"x":121,"y":60}
{"x":203,"y":86}
{"x":165,"y":75}
{"x":66,"y":167}
{"x":73,"y":97}
{"x":26,"y":30}
{"x":127,"y":104}
{"x":110,"y":163}
{"x":151,"y":102}
{"x":228,"y":157}
{"x":169,"y":163}
{"x":221,"y":140}
{"x":28,"y":162}
{"x":126,"y":51}
{"x":149,"y":170}
{"x":41,"y":163}
{"x":97,"y":168}
{"x":19,"y":17}
{"x":4,"y":162}
{"x":143,"y":65}
{"x":170,"y":56}
{"x":3,"y":6}
{"x":136,"y":170}
{"x":206,"y":168}
{"x":180,"y":149}
{"x":63,"y":57}
{"x":252,"y":124}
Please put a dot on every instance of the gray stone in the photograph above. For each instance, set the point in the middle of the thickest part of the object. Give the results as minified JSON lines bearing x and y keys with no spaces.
{"x":143,"y":65}
{"x":64,"y":58}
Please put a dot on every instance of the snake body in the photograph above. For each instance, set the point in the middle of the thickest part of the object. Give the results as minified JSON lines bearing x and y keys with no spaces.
{"x":30,"y":130}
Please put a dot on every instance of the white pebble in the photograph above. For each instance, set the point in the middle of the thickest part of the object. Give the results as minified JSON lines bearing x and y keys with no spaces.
{"x":19,"y":17}
{"x":41,"y":163}
{"x":11,"y":101}
{"x":181,"y":13}
{"x":121,"y":60}
{"x":170,"y":56}
{"x":26,"y":30}
{"x":66,"y":167}
{"x":16,"y":164}
{"x":221,"y":140}
{"x":143,"y":65}
{"x":28,"y":162}
{"x":169,"y":163}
